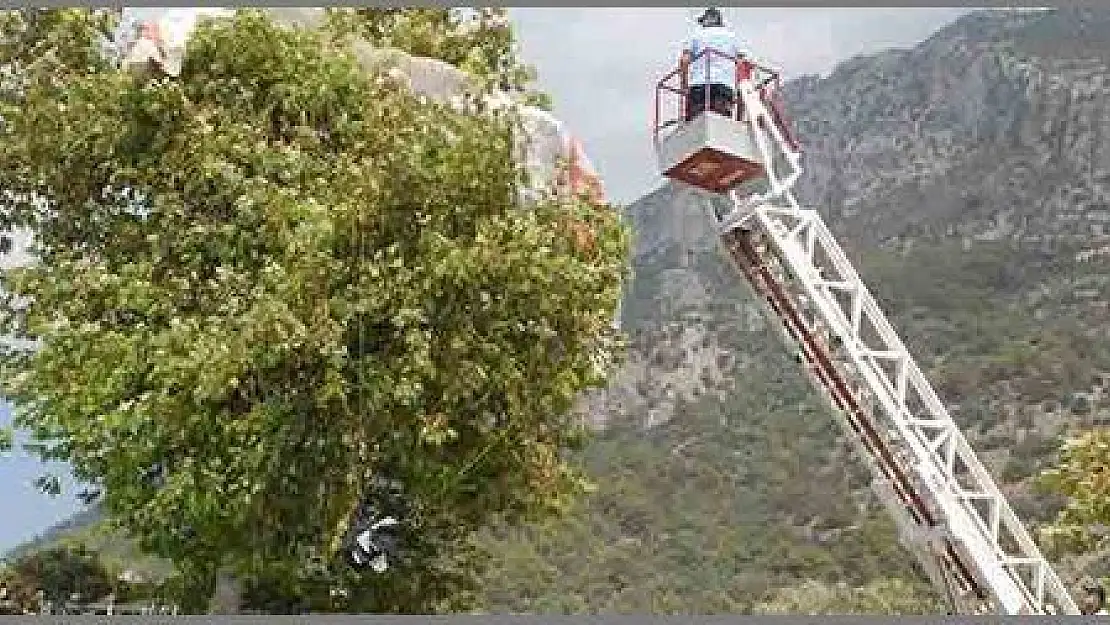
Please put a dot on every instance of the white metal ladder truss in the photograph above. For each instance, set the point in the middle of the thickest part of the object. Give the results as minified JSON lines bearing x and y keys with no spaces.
{"x":948,"y":508}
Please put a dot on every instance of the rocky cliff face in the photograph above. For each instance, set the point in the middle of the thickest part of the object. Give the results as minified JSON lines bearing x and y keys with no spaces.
{"x":992,"y":129}
{"x":986,"y":139}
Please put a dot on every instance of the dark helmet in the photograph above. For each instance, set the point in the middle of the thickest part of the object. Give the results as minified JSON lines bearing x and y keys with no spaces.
{"x":711,"y":17}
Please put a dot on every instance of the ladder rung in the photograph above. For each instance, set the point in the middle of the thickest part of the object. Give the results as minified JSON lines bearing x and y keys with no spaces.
{"x":886,"y":354}
{"x":966,"y":494}
{"x":930,"y":424}
{"x":1019,"y":561}
{"x":837,"y":284}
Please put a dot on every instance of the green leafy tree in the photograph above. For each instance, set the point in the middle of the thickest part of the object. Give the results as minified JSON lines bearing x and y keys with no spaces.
{"x":261,"y":285}
{"x":60,"y":573}
{"x":338,"y":588}
{"x":479,"y":41}
{"x":1082,"y":475}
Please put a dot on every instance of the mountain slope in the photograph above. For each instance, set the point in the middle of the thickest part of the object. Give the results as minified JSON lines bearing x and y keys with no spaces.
{"x":968,"y":180}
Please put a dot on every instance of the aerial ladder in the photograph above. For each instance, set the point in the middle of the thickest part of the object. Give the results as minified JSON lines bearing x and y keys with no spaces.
{"x":949,"y":512}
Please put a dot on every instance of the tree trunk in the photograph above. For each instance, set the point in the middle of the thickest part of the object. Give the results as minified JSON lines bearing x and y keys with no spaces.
{"x":227,"y":598}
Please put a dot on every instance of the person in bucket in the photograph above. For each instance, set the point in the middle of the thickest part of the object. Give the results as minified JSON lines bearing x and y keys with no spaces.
{"x":711,"y":75}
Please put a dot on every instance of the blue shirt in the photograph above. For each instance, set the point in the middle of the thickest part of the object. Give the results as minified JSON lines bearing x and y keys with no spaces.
{"x":721,"y":70}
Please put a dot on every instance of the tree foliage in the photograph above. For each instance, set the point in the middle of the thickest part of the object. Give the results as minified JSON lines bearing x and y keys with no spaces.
{"x":479,"y":41}
{"x":261,"y":285}
{"x":1082,"y":474}
{"x":59,"y":573}
{"x":446,"y":584}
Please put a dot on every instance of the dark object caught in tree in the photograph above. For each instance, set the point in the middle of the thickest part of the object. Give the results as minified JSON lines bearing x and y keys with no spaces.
{"x":375,"y":536}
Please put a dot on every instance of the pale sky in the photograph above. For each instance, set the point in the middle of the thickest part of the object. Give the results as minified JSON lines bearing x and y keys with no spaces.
{"x":601,"y":66}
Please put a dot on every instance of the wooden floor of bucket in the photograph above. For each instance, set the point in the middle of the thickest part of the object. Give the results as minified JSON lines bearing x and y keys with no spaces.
{"x":715,"y":171}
